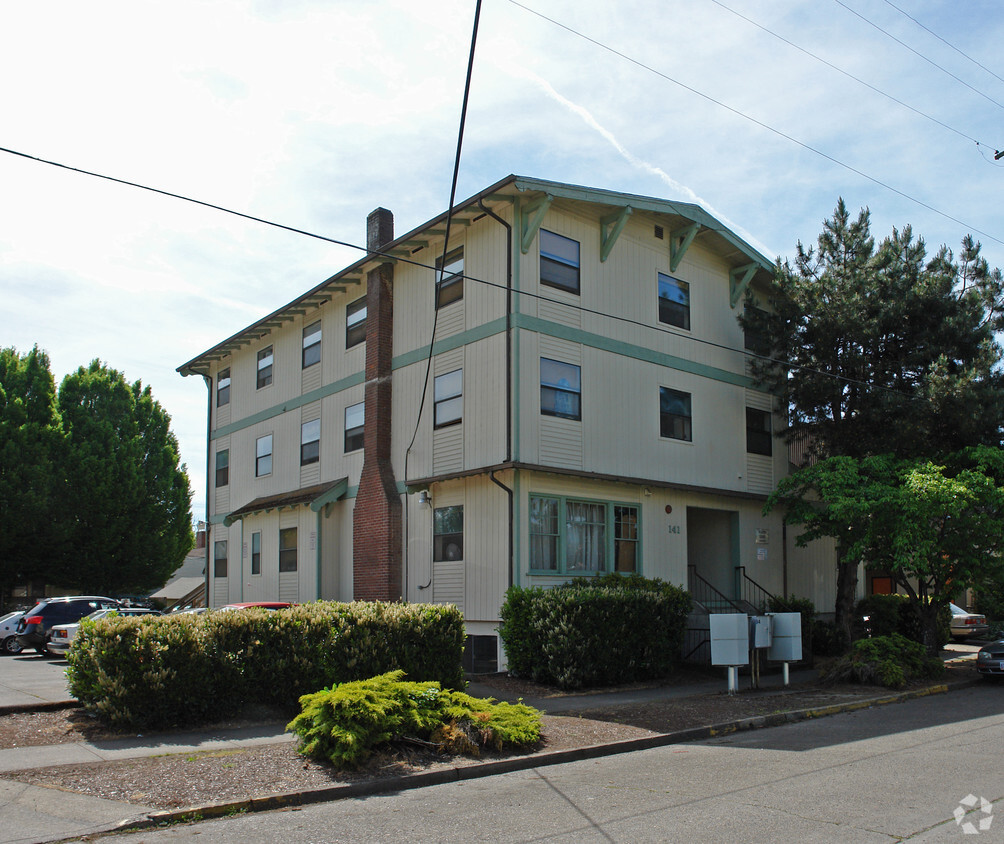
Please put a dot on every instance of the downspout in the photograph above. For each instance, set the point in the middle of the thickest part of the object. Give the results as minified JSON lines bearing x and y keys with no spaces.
{"x":209,"y":444}
{"x":508,"y":377}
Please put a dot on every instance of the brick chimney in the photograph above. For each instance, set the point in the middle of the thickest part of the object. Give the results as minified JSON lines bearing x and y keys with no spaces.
{"x":376,"y":518}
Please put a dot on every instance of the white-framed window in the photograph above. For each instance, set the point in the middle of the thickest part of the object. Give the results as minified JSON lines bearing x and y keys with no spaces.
{"x":560,"y":389}
{"x":355,"y":422}
{"x":222,"y":467}
{"x":220,"y":558}
{"x":448,"y":398}
{"x":759,"y":439}
{"x":223,"y":387}
{"x":675,"y":418}
{"x":355,"y":323}
{"x":578,"y":536}
{"x":256,"y":552}
{"x":448,"y":533}
{"x":287,"y":549}
{"x":264,"y":367}
{"x":674,"y":301}
{"x":450,"y":277}
{"x":559,"y":261}
{"x":312,"y":344}
{"x":310,"y":442}
{"x":263,"y":456}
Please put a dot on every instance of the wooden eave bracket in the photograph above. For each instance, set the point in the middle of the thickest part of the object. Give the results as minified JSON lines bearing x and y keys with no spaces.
{"x":611,"y":227}
{"x":530,"y":219}
{"x":739,"y":280}
{"x":679,"y":243}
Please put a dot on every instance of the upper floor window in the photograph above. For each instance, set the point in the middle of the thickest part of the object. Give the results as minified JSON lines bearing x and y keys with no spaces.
{"x":263,"y":456}
{"x":222,"y":467}
{"x":287,"y":549}
{"x":220,"y":558}
{"x":265,"y":367}
{"x":223,"y":387}
{"x":448,"y":398}
{"x":448,"y":533}
{"x":754,"y":338}
{"x":674,"y":415}
{"x":355,"y":422}
{"x":312,"y":344}
{"x":355,"y":323}
{"x":674,"y":301}
{"x":559,"y":261}
{"x":256,"y":552}
{"x":310,"y":442}
{"x":560,"y":389}
{"x":758,"y":434}
{"x":450,"y":278}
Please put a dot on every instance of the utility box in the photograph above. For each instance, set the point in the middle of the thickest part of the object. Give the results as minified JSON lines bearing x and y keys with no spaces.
{"x":730,"y":643}
{"x":760,"y":631}
{"x":786,"y":643}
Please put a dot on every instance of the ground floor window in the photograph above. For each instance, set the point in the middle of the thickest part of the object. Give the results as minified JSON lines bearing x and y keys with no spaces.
{"x":576,"y":536}
{"x":448,"y":533}
{"x":256,"y":552}
{"x":287,"y":549}
{"x":220,"y":558}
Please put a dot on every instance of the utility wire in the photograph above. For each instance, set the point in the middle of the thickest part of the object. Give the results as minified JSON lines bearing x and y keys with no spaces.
{"x":918,"y":54}
{"x":756,"y":122}
{"x":849,"y":75}
{"x":943,"y":41}
{"x":491,"y":284}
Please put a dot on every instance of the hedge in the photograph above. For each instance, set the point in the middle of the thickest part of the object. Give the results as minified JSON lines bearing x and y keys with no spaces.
{"x":605,"y":631}
{"x":164,"y":670}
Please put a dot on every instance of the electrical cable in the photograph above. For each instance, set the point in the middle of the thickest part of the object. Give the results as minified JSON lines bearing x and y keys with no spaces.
{"x":755,"y":121}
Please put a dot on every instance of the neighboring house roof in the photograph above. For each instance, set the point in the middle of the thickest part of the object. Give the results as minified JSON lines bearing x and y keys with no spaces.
{"x":686,"y":220}
{"x":180,"y":588}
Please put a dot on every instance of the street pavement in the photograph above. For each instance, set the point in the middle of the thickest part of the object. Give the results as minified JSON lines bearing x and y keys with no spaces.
{"x":29,"y":680}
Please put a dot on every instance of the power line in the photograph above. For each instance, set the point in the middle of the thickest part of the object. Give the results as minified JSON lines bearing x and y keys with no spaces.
{"x":943,"y":41}
{"x":918,"y":54}
{"x":756,"y":122}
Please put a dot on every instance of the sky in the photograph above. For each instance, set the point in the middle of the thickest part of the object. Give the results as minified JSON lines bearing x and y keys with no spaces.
{"x":312,"y":114}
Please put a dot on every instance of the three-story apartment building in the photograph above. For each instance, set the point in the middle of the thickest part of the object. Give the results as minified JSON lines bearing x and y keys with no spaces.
{"x":566,"y":394}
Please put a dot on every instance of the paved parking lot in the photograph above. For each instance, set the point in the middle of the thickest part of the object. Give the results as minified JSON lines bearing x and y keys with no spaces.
{"x":28,"y":679}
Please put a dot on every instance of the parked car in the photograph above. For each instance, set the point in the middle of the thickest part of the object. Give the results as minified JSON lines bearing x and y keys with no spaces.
{"x":966,"y":625}
{"x":33,"y":629}
{"x":990,"y":659}
{"x":268,"y":605}
{"x":62,"y":635}
{"x":8,"y":627}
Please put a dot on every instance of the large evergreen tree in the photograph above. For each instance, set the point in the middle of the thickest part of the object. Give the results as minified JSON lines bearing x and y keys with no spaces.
{"x":880,"y":350}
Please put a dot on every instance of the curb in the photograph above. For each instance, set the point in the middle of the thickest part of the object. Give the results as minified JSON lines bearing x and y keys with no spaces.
{"x":41,"y":706}
{"x":505,"y":766}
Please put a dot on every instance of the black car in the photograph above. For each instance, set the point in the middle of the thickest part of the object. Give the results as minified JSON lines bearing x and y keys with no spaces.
{"x":990,"y":660}
{"x":34,"y":628}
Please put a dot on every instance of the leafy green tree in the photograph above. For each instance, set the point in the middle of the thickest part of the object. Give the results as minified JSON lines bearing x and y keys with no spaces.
{"x":29,"y":452}
{"x":126,"y":494}
{"x":936,"y":528}
{"x":880,"y":350}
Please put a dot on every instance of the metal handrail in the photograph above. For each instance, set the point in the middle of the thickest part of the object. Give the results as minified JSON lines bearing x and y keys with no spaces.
{"x":707,"y":595}
{"x":752,"y":592}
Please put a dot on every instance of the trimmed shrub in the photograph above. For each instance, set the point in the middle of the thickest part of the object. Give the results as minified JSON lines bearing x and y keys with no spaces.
{"x":891,"y":661}
{"x":344,"y":725}
{"x":160,"y":671}
{"x":888,"y":614}
{"x":606,"y":631}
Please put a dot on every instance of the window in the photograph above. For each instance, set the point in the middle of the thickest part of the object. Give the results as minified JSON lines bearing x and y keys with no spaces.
{"x":222,"y":467}
{"x":223,"y":387}
{"x":674,"y":302}
{"x":220,"y":558}
{"x":265,"y":367}
{"x":287,"y":549}
{"x":570,"y":536}
{"x":754,"y":340}
{"x":758,"y":434}
{"x":674,"y":415}
{"x":448,"y":533}
{"x":263,"y":456}
{"x":312,"y":344}
{"x":355,"y":419}
{"x":448,"y":398}
{"x":559,"y":261}
{"x":450,"y":278}
{"x":355,"y":323}
{"x":310,"y":442}
{"x":560,"y":389}
{"x":256,"y":552}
